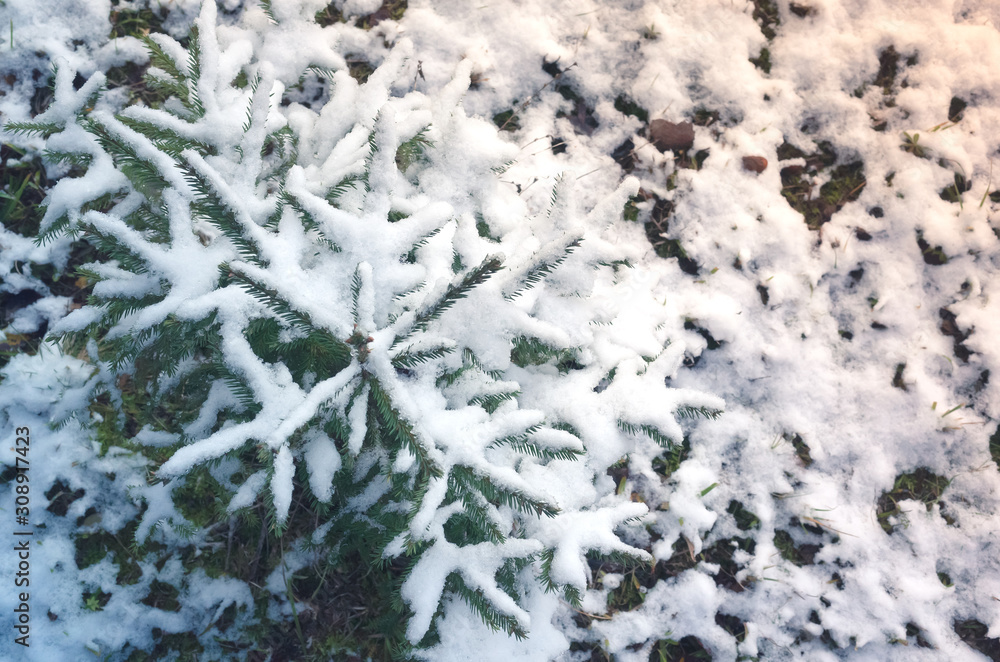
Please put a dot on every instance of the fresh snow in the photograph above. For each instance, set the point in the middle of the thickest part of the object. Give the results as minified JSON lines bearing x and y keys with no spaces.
{"x":816,"y":363}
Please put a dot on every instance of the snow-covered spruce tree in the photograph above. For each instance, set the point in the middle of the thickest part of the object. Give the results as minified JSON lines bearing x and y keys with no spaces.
{"x":344,"y":291}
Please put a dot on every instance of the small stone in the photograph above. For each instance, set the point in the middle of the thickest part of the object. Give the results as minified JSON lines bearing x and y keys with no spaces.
{"x":754,"y":164}
{"x":670,"y":136}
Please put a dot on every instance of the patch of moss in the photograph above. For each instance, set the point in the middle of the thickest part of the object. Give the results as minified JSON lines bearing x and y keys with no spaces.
{"x":552,"y":68}
{"x":765,"y":12}
{"x":897,"y":377}
{"x":22,"y":190}
{"x":359,"y":68}
{"x":130,"y":76}
{"x":920,"y":485}
{"x":692,"y":325}
{"x":800,"y":555}
{"x":507,"y":120}
{"x":185,"y":645}
{"x":631,"y":211}
{"x":629,"y":594}
{"x":669,"y":461}
{"x":61,"y":497}
{"x":953,"y":192}
{"x":162,"y":596}
{"x":136,"y":22}
{"x":787,"y":150}
{"x":624,"y":155}
{"x":763,"y":60}
{"x":888,"y":68}
{"x":626,"y":106}
{"x":745,"y":520}
{"x":689,"y":161}
{"x":933,"y":255}
{"x":845,"y":184}
{"x":801,"y":448}
{"x":689,"y":648}
{"x":949,"y":327}
{"x":733,"y":625}
{"x":390,"y":10}
{"x":329,"y":15}
{"x":201,"y":499}
{"x":720,"y":553}
{"x":825,"y":636}
{"x":914,"y":634}
{"x":705,"y":117}
{"x":973,"y":632}
{"x":672,"y":248}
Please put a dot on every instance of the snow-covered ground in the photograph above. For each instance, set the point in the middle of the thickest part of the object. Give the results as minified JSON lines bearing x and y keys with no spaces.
{"x":850,"y":351}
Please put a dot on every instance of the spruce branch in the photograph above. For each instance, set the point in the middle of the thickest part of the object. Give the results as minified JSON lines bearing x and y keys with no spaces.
{"x":469,"y":362}
{"x":144,"y":175}
{"x":411,"y":256}
{"x":165,"y":139}
{"x":546,"y":559}
{"x":307,"y":219}
{"x":462,"y":479}
{"x":59,"y":227}
{"x":254,"y":85}
{"x":412,"y":150}
{"x":77,"y":159}
{"x":410,"y":358}
{"x":193,"y":102}
{"x":268,"y":297}
{"x":649,"y":431}
{"x":346,"y":184}
{"x":210,"y":208}
{"x":268,"y":11}
{"x":41,"y":129}
{"x":236,"y":385}
{"x":159,"y":58}
{"x":484,"y":607}
{"x":474,"y":524}
{"x":522,"y":443}
{"x":116,"y":250}
{"x":545,"y":264}
{"x":532,"y":351}
{"x":469,"y":357}
{"x":356,"y":294}
{"x":152,"y":222}
{"x":688,"y":411}
{"x":318,"y":344}
{"x":492,"y":401}
{"x":456,"y":292}
{"x":397,"y":430}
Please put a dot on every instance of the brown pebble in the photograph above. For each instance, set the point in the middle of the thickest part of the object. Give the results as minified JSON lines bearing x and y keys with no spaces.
{"x":670,"y":136}
{"x":754,"y":163}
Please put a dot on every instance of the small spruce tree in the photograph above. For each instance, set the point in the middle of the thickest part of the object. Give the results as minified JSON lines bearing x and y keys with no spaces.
{"x":340,"y":290}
